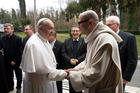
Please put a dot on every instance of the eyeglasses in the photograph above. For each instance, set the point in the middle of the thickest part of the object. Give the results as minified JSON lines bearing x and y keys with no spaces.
{"x":110,"y":24}
{"x":75,"y":30}
{"x":82,"y":21}
{"x":26,"y":29}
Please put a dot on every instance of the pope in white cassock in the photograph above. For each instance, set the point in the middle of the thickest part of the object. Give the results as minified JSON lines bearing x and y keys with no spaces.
{"x":38,"y":62}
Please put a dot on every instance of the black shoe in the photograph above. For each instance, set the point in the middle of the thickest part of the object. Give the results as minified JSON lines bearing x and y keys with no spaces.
{"x":18,"y":91}
{"x":10,"y":89}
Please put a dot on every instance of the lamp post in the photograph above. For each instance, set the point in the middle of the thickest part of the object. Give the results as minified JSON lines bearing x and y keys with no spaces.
{"x":35,"y":14}
{"x":60,"y":15}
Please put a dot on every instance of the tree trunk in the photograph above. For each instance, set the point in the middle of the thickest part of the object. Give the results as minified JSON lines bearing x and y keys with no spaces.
{"x":22,"y":6}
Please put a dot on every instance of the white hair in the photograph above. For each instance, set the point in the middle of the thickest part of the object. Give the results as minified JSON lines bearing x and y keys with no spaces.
{"x":114,"y":18}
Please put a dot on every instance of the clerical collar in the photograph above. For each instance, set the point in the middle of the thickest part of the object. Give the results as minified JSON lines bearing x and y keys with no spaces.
{"x":76,"y":39}
{"x":118,"y":31}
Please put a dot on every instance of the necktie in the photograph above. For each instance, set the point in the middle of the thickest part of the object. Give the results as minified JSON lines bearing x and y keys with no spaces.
{"x":75,"y":48}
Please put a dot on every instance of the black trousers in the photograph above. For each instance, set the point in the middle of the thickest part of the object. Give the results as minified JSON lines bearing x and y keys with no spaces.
{"x":3,"y":77}
{"x":124,"y":88}
{"x":10,"y":77}
{"x":59,"y":86}
{"x":71,"y":90}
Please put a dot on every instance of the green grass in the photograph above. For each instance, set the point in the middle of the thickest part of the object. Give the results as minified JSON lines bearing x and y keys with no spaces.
{"x":61,"y":37}
{"x":21,"y":34}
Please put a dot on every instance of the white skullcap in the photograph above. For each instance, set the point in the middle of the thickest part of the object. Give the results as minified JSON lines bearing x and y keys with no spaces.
{"x":41,"y":20}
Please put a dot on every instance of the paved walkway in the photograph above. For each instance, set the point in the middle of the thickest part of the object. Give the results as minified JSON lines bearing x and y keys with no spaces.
{"x":129,"y":89}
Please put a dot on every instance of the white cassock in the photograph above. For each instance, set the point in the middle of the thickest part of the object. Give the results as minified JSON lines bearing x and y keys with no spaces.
{"x":39,"y":65}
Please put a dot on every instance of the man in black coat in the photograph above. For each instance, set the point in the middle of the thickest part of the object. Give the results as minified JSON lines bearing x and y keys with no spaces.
{"x":57,"y":47}
{"x":28,"y":30}
{"x":3,"y":77}
{"x":11,"y":45}
{"x":127,"y":49}
{"x":74,"y":51}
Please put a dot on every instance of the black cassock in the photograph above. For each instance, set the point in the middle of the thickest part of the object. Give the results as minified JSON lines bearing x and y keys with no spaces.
{"x":3,"y":78}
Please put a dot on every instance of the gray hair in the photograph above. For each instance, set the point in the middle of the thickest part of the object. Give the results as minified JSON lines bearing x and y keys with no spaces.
{"x":30,"y":26}
{"x":114,"y":18}
{"x":8,"y":24}
{"x":90,"y":14}
{"x":74,"y":26}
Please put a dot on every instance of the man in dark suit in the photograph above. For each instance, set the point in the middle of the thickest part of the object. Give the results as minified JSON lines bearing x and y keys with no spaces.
{"x":57,"y":47}
{"x":127,"y":49}
{"x":11,"y":45}
{"x":74,"y":51}
{"x":28,"y":30}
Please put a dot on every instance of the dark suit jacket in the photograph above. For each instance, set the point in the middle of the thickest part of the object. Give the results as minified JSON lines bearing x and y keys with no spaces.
{"x":67,"y":51}
{"x":12,"y":47}
{"x":58,"y":55}
{"x":128,"y":54}
{"x":24,"y":41}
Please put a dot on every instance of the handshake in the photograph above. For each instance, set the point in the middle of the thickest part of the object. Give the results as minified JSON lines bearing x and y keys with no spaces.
{"x":68,"y":70}
{"x":73,"y":62}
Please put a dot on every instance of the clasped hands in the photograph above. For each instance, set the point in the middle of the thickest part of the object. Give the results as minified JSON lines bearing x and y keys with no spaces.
{"x":13,"y":63}
{"x":73,"y":61}
{"x":68,"y":70}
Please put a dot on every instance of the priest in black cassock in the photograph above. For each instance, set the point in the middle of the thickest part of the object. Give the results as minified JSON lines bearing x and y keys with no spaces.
{"x":12,"y":45}
{"x":3,"y":78}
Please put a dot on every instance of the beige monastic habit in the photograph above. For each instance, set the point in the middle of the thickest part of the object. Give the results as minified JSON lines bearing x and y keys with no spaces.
{"x":100,"y":72}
